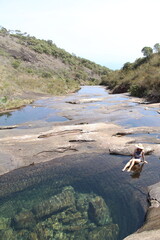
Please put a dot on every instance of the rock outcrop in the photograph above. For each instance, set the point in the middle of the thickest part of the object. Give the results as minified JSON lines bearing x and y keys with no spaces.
{"x":151,"y":228}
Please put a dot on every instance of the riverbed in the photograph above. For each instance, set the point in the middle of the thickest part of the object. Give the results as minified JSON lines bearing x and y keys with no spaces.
{"x":66,"y":142}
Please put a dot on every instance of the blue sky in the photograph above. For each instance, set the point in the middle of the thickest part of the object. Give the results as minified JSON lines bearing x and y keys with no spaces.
{"x":108,"y":32}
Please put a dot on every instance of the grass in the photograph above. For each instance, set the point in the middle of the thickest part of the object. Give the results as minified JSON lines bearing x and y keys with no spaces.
{"x":10,"y":104}
{"x":32,"y":65}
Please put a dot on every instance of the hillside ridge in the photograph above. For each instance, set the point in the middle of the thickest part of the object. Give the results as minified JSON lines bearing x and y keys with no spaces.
{"x":28,"y":64}
{"x":140,"y":78}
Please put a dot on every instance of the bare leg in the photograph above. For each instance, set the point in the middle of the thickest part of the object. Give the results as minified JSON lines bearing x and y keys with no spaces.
{"x":127,"y":165}
{"x":132,"y":164}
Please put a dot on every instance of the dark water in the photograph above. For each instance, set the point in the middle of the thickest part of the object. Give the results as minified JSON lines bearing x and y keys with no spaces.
{"x":97,"y":176}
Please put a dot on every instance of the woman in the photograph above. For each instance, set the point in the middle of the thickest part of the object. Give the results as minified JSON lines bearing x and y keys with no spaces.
{"x":138,"y":157}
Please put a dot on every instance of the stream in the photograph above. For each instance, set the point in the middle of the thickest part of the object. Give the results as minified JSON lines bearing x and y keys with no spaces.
{"x":81,"y":196}
{"x":49,"y":110}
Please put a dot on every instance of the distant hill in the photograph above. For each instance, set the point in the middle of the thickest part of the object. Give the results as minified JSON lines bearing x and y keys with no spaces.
{"x":141,"y":78}
{"x":30,"y":65}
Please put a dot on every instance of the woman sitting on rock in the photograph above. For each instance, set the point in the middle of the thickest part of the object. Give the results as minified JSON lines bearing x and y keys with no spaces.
{"x":138,"y":157}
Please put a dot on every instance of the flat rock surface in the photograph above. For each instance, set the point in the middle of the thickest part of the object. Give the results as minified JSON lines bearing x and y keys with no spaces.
{"x":95,"y":123}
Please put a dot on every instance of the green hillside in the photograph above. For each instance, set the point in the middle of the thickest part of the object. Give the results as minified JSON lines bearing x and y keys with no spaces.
{"x":30,"y":66}
{"x":141,"y":78}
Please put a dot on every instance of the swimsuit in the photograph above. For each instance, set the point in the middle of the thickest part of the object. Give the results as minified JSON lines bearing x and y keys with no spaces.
{"x":138,"y":155}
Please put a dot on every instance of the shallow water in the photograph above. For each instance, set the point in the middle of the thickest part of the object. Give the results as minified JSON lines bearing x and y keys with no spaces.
{"x":50,"y":109}
{"x":94,"y":174}
{"x":31,"y":113}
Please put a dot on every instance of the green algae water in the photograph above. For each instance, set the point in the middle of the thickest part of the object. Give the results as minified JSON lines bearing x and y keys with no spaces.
{"x":75,"y":197}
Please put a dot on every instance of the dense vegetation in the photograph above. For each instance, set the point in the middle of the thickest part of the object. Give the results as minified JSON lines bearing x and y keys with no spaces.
{"x":141,"y":78}
{"x":28,"y":64}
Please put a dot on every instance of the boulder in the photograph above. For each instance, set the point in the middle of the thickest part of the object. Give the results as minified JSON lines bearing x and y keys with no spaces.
{"x":151,"y":227}
{"x":115,"y":150}
{"x":98,"y":211}
{"x":154,"y":192}
{"x":128,"y":150}
{"x":56,"y":203}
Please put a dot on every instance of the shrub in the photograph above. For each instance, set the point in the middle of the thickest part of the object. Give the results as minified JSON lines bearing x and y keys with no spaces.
{"x":3,"y":99}
{"x":46,"y":75}
{"x":16,"y":64}
{"x":137,"y":90}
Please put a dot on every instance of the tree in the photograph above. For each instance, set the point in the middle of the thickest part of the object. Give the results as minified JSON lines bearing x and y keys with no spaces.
{"x":157,"y":48}
{"x":127,"y":66}
{"x":3,"y":30}
{"x":147,"y":51}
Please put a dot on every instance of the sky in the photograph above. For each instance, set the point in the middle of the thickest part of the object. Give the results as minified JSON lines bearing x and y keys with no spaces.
{"x":108,"y":32}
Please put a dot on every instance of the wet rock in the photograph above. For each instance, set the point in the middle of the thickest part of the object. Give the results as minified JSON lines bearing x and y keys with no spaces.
{"x":76,"y":226}
{"x":8,"y":127}
{"x":120,"y":134}
{"x":82,"y":202}
{"x":85,"y":100}
{"x":98,"y":211}
{"x":72,"y":102}
{"x":4,"y":223}
{"x":108,"y":232}
{"x":44,"y":232}
{"x":7,"y":234}
{"x":69,"y":216}
{"x":26,"y":235}
{"x":81,"y":141}
{"x":56,"y":203}
{"x":24,"y":220}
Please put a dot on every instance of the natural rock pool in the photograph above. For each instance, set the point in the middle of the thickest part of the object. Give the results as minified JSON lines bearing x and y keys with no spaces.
{"x":80,"y":196}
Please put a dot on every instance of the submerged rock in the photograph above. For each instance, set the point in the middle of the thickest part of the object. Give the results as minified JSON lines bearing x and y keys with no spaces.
{"x":4,"y":223}
{"x":56,"y":203}
{"x":24,"y":220}
{"x":7,"y":234}
{"x":68,"y":215}
{"x":108,"y":232}
{"x":98,"y":211}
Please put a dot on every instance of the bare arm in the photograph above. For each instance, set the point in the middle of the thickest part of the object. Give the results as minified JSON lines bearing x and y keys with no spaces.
{"x":143,"y":158}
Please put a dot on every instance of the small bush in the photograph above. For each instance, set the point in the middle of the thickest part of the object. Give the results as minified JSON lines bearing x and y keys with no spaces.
{"x":16,"y":64}
{"x":46,"y":75}
{"x":3,"y":99}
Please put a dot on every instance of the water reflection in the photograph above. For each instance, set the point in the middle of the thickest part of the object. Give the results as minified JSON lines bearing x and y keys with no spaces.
{"x":128,"y":114}
{"x":137,"y":169}
{"x":30,"y":113}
